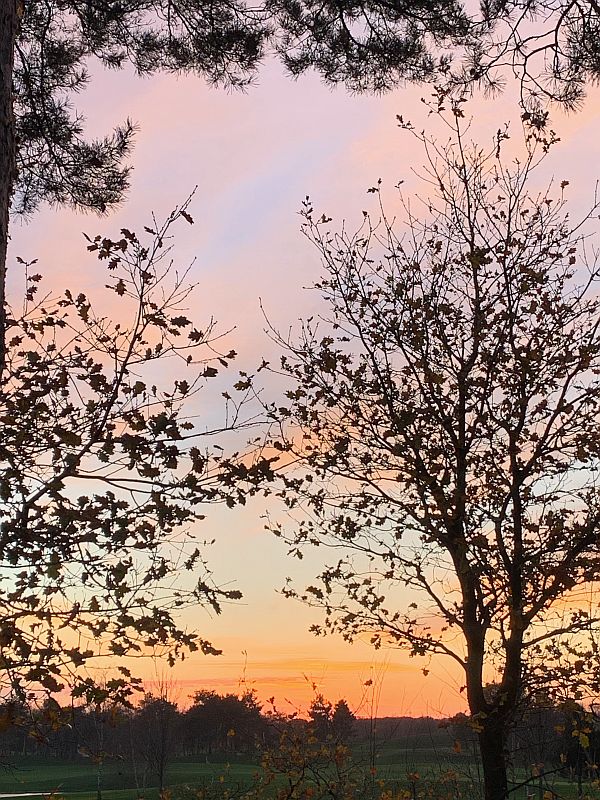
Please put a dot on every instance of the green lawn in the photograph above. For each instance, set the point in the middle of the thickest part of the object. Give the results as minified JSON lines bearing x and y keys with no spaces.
{"x":78,"y":781}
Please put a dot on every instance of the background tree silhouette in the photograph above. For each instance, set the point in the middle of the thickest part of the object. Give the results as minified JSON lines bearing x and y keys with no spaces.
{"x":157,"y":727}
{"x":319,"y":713}
{"x":222,"y":723}
{"x":443,"y":419}
{"x":342,"y":722}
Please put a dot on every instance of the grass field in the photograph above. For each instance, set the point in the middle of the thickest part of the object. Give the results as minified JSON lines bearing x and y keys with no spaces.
{"x":79,"y":781}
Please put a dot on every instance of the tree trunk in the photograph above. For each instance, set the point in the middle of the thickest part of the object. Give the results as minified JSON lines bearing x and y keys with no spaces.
{"x":492,"y":741}
{"x":9,"y":24}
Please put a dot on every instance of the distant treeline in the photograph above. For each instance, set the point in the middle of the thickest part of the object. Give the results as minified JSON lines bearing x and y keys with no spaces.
{"x":225,"y":724}
{"x":228,"y":727}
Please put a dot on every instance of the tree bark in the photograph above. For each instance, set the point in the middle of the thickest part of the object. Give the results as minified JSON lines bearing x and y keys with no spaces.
{"x":492,"y":747}
{"x":9,"y":25}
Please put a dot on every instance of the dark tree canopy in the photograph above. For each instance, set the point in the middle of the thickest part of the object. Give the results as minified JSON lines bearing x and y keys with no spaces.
{"x":342,"y":721}
{"x":552,"y":48}
{"x":46,"y":49}
{"x":223,"y":42}
{"x":228,"y":722}
{"x":319,"y":714}
{"x":328,"y":722}
{"x":367,"y":45}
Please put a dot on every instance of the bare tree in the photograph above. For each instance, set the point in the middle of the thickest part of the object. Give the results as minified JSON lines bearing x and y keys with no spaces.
{"x":442,"y":431}
{"x":156,"y":729}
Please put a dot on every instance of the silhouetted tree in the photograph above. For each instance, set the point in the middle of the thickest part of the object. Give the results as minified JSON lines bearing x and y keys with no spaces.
{"x":156,"y":728}
{"x":443,"y":427}
{"x":342,"y":722}
{"x":104,"y":473}
{"x":319,"y":714}
{"x":221,"y":723}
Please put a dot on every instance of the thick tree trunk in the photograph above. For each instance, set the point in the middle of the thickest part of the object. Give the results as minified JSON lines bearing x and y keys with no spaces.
{"x":9,"y":24}
{"x":492,"y":747}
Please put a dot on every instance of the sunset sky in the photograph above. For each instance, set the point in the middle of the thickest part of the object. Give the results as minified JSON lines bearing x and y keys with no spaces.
{"x":254,"y":157}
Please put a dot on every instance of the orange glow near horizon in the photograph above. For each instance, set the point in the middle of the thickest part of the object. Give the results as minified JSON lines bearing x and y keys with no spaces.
{"x":390,"y":686}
